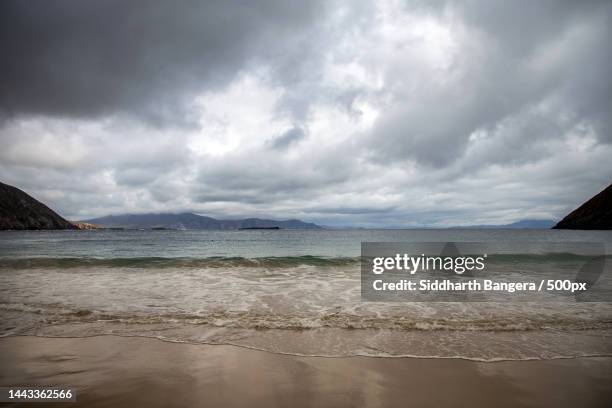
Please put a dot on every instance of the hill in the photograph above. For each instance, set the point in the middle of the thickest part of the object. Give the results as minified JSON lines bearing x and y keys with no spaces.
{"x":595,"y":214}
{"x":20,"y":211}
{"x":522,"y":224}
{"x":193,"y":221}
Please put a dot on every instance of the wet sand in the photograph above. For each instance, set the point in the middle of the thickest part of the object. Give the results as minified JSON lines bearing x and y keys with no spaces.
{"x":110,"y":371}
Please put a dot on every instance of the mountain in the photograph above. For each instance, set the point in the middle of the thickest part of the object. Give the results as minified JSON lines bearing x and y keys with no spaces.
{"x":522,"y":224}
{"x":193,"y":221}
{"x":20,"y":211}
{"x":595,"y":214}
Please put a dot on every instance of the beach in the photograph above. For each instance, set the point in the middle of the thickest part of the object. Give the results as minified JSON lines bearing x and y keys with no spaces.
{"x":276,"y":318}
{"x":306,"y":204}
{"x":113,"y":371}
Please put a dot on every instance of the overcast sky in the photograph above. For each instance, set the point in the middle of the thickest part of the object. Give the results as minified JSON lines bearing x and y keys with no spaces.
{"x":382,"y":113}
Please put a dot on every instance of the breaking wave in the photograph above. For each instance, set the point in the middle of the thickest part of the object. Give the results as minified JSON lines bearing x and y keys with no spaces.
{"x":162,"y":262}
{"x":237,"y":261}
{"x":60,"y":314}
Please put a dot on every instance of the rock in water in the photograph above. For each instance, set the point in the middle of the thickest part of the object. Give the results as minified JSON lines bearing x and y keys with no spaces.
{"x":19,"y":211}
{"x":595,"y":214}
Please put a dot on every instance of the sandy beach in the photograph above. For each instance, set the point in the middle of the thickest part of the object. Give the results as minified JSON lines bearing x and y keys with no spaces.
{"x":111,"y":371}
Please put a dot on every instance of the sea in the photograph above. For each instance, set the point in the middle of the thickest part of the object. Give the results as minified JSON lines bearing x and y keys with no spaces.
{"x":288,"y":291}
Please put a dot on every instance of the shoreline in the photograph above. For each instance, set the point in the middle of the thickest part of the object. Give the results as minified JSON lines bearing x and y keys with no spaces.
{"x":119,"y":371}
{"x":282,"y":353}
{"x":327,"y":342}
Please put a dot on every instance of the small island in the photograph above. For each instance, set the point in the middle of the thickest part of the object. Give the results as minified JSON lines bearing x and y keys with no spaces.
{"x":259,"y":228}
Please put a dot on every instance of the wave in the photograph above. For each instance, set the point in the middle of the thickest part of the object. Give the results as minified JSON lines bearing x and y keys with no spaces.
{"x":330,"y":334}
{"x":60,"y":314}
{"x":245,"y":262}
{"x":163,"y":262}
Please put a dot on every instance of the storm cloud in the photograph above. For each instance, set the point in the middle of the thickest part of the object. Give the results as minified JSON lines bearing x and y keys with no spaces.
{"x":363,"y":113}
{"x":149,"y":58}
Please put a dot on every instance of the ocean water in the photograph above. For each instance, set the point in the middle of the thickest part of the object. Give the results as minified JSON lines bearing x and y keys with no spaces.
{"x":285,"y":291}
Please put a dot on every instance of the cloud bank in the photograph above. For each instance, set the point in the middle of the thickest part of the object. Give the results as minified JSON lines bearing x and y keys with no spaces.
{"x":344,"y":113}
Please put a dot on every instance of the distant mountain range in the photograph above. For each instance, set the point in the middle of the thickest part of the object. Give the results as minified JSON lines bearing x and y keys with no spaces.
{"x":523,"y":224}
{"x":192,"y":221}
{"x":20,"y":211}
{"x":595,"y":214}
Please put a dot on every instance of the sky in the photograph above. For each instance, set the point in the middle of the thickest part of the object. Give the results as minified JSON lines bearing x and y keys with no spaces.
{"x":364,"y":113}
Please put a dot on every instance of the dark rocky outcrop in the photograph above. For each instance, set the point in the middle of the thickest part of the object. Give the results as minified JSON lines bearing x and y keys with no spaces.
{"x":595,"y":214}
{"x":19,"y":211}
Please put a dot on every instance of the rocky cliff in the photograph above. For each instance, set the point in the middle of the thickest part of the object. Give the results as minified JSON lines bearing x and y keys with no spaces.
{"x":19,"y":211}
{"x":595,"y":214}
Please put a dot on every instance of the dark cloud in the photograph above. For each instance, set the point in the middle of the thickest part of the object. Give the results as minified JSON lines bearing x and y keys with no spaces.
{"x":91,"y":58}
